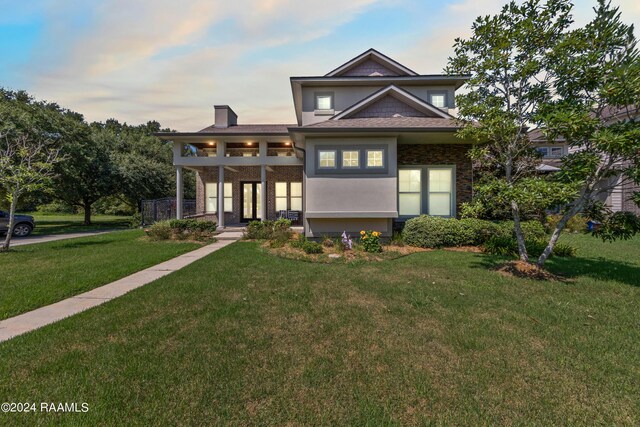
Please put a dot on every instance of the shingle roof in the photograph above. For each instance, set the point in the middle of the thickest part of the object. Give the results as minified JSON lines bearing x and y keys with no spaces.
{"x":248,"y":129}
{"x":387,"y":122}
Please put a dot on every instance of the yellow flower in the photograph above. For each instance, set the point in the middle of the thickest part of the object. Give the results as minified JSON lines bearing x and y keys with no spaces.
{"x":364,"y":237}
{"x":362,"y":233}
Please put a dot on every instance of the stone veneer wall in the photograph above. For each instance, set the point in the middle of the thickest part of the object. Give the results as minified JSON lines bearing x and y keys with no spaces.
{"x":442,"y":154}
{"x":245,"y":173}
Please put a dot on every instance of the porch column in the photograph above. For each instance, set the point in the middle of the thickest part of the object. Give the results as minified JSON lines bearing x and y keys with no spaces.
{"x":263,"y":192}
{"x":221,"y":196}
{"x":179,"y":192}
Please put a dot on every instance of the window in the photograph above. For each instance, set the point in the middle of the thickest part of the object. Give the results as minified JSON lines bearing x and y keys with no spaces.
{"x":247,"y":154}
{"x":549,"y":152}
{"x":296,"y":196}
{"x":440,"y":191}
{"x":374,"y":159}
{"x":228,"y":197}
{"x":350,"y":159}
{"x":327,"y":158}
{"x":281,"y":196}
{"x":211,"y":196}
{"x":324,"y":101}
{"x":409,"y":186}
{"x":438,"y":100}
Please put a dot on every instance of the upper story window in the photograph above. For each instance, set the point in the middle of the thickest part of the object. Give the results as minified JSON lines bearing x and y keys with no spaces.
{"x":375,"y":158}
{"x":550,"y":152}
{"x":438,"y":100}
{"x":324,"y":103}
{"x":327,"y":159}
{"x":350,"y":159}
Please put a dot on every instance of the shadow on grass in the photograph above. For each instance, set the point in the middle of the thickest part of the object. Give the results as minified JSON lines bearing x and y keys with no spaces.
{"x":71,"y":244}
{"x":572,"y":268}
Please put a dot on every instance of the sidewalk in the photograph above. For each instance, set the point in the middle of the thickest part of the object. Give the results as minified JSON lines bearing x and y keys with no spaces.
{"x":21,"y":241}
{"x":40,"y":317}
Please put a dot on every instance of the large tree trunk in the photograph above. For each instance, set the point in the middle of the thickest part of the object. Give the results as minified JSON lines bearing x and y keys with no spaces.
{"x":522,"y":248}
{"x":87,"y":212}
{"x":12,"y":221}
{"x":558,"y":230}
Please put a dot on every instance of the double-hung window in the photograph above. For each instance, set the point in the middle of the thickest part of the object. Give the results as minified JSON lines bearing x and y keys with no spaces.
{"x":211,"y":197}
{"x":410,"y":189}
{"x":426,"y":190}
{"x":281,"y":196}
{"x":440,"y":188}
{"x":296,"y":196}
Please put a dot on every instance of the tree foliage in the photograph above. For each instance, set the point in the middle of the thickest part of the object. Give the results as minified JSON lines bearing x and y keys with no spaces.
{"x":529,"y":68}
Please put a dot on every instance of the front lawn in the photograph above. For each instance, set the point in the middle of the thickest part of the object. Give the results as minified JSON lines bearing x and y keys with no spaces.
{"x":32,"y":276}
{"x":67,"y":223}
{"x":242,"y":337}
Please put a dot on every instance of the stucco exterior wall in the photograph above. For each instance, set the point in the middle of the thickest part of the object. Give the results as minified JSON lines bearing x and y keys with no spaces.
{"x":346,"y":96}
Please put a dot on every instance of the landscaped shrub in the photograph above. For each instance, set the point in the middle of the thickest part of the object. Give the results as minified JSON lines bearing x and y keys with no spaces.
{"x":269,"y":230}
{"x":564,"y":250}
{"x":161,"y":230}
{"x":507,"y":245}
{"x":435,"y":232}
{"x":577,"y":224}
{"x":181,"y":229}
{"x":298,"y":241}
{"x":312,"y":247}
{"x":370,"y":241}
{"x":532,"y":229}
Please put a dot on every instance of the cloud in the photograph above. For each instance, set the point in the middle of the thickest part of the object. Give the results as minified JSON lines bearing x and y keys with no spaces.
{"x":170,"y":61}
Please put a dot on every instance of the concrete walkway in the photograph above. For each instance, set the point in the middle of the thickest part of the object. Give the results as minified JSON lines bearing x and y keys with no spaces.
{"x":20,"y":241}
{"x":40,"y":317}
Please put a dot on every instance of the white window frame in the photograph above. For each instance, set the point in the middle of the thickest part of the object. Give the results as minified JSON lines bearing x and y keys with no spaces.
{"x":381,"y":158}
{"x":228,"y":197}
{"x":281,"y":197}
{"x":211,"y":187}
{"x":295,"y":199}
{"x":335,"y":159}
{"x":357,"y":159}
{"x":451,"y":192}
{"x":440,"y":94}
{"x":419,"y":192}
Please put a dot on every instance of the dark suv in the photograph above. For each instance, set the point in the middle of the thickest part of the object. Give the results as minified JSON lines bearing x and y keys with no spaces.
{"x":23,"y":227}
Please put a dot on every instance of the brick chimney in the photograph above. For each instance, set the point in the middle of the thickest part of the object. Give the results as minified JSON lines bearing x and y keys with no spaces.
{"x":225,"y":116}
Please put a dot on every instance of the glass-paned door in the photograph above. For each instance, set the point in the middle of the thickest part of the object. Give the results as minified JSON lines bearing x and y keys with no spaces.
{"x":251,"y":201}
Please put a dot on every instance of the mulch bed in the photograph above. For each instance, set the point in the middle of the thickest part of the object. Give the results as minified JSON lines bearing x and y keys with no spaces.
{"x":528,"y":271}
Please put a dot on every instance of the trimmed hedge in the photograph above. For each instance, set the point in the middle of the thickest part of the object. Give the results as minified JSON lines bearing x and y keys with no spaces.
{"x":436,"y":232}
{"x":268,"y":230}
{"x":182,"y":229}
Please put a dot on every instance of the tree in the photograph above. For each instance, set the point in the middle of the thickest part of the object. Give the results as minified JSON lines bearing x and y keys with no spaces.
{"x":25,"y":166}
{"x":507,"y":58}
{"x":596,"y":72}
{"x":528,"y":68}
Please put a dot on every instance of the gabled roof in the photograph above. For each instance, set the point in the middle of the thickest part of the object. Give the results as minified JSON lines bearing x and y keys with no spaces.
{"x":401,"y":95}
{"x":392,"y":124}
{"x":376,"y":57}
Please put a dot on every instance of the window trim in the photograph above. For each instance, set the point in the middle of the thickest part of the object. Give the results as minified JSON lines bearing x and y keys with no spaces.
{"x":366,"y":155}
{"x":451,"y":192}
{"x":419,"y":192}
{"x":292,"y":197}
{"x":439,"y":92}
{"x":228,"y":195}
{"x":424,"y":189}
{"x":207,"y":197}
{"x":343,"y":166}
{"x":285,"y":197}
{"x":362,"y":168}
{"x":335,"y":158}
{"x":324,"y":111}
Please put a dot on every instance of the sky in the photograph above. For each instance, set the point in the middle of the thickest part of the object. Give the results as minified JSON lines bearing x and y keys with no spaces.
{"x":171,"y":61}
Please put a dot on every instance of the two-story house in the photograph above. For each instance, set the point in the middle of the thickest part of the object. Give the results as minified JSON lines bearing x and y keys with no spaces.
{"x":374,"y":144}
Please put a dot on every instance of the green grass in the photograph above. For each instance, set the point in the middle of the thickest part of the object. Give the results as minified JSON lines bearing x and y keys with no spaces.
{"x":67,"y":223}
{"x":241,"y":338}
{"x":36,"y":275}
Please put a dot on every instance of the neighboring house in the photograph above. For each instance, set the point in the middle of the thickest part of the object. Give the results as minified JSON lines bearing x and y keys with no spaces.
{"x":374,"y":144}
{"x":620,"y":190}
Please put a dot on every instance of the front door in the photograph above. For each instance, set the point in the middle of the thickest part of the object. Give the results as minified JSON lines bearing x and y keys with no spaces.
{"x":251,"y":199}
